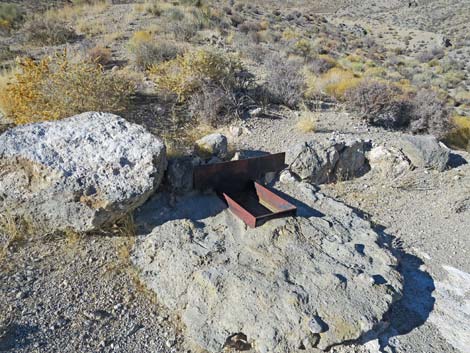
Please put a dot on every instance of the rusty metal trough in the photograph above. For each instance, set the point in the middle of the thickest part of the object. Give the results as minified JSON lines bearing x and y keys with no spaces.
{"x":236,"y":183}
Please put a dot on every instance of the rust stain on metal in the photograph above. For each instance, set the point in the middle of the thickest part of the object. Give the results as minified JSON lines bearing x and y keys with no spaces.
{"x":235,"y":182}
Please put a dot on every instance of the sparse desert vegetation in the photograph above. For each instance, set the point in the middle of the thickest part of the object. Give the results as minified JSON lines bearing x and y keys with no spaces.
{"x":363,"y":96}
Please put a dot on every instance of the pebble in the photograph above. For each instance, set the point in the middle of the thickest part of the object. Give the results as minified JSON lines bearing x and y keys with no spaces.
{"x":256,"y":112}
{"x":170,"y":343}
{"x":21,"y":295}
{"x":235,"y":131}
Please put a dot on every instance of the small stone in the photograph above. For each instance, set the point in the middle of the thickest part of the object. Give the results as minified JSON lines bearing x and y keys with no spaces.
{"x":170,"y":343}
{"x":21,"y":295}
{"x":256,"y":112}
{"x":235,"y":131}
{"x":286,"y":177}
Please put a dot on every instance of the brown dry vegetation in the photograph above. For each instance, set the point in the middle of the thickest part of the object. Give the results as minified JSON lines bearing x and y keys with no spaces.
{"x":211,"y":62}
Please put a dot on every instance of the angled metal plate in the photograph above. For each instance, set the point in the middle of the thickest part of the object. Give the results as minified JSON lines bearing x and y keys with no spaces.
{"x":234,"y":175}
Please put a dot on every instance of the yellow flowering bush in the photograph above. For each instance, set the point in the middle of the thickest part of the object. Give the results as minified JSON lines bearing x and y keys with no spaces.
{"x":53,"y":89}
{"x":187,"y":73}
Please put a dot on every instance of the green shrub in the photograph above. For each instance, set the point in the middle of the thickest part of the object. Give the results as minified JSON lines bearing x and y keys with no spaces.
{"x":56,"y":88}
{"x":11,"y":15}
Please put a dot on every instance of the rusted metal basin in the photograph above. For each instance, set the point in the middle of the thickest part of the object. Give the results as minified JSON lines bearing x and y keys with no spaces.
{"x":235,"y":182}
{"x":257,"y":204}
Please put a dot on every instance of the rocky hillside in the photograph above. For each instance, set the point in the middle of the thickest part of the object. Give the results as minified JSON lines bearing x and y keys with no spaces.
{"x":106,"y":109}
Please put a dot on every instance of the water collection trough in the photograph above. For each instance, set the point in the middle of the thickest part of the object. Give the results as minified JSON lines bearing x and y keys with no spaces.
{"x":237,"y":183}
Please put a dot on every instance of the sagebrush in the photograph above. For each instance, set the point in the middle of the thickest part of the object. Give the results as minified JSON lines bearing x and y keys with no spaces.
{"x":55,"y":88}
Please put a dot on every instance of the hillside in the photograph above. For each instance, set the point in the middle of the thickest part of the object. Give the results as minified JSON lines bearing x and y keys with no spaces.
{"x":107,"y":108}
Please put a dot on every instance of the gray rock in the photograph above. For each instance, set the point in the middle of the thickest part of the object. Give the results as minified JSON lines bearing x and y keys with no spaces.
{"x":322,"y":163}
{"x":235,"y":131}
{"x":79,"y":173}
{"x":212,"y":145}
{"x":267,"y":283}
{"x":179,"y":174}
{"x":425,"y":151}
{"x":388,"y":162}
{"x":256,"y":112}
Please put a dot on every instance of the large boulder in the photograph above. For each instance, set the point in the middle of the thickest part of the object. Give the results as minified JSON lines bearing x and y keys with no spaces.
{"x":325,"y":162}
{"x":425,"y":151}
{"x":316,"y":280}
{"x":78,"y":173}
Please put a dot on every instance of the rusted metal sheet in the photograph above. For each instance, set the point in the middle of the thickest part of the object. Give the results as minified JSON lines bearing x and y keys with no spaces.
{"x":258,"y":204}
{"x":235,"y":174}
{"x":235,"y":182}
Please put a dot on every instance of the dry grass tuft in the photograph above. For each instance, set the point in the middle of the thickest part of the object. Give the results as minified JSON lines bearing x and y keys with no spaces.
{"x":335,"y":83}
{"x":13,"y":230}
{"x":459,"y":137}
{"x":307,"y":121}
{"x":57,"y":88}
{"x":100,"y":55}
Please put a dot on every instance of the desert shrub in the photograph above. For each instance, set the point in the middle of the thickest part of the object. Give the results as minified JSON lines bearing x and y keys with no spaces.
{"x":321,"y":64}
{"x":140,"y":37}
{"x":285,"y":83}
{"x":212,"y":85}
{"x":11,"y":15}
{"x":428,"y":55}
{"x":454,"y":77}
{"x":459,"y":136}
{"x":44,"y":30}
{"x":429,"y":114}
{"x":99,"y":55}
{"x":87,"y":2}
{"x":174,"y":14}
{"x":303,"y":48}
{"x":307,"y":121}
{"x":335,"y":82}
{"x":380,"y":103}
{"x":247,"y":47}
{"x":185,"y":29}
{"x":290,"y":34}
{"x":153,"y":7}
{"x":6,"y":54}
{"x":462,"y":96}
{"x":187,"y":73}
{"x":56,"y":88}
{"x":196,"y":3}
{"x":145,"y":53}
{"x":212,"y":105}
{"x":249,"y":26}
